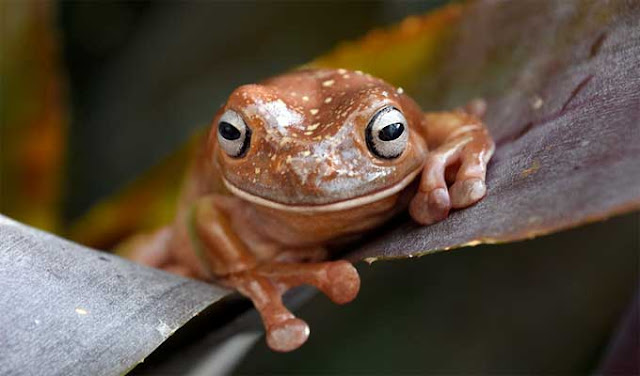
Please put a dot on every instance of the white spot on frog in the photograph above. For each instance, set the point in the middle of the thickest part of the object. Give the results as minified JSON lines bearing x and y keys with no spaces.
{"x":285,"y":140}
{"x":276,"y":113}
{"x":328,"y":83}
{"x":299,"y":165}
{"x":81,"y":311}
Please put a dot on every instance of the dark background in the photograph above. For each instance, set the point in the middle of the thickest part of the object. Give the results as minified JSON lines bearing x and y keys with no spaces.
{"x":144,"y":75}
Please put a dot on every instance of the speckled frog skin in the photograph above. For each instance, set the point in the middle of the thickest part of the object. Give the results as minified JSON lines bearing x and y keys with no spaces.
{"x":302,"y":161}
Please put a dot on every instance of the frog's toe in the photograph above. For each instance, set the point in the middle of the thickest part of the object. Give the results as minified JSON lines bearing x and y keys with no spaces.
{"x":343,"y":282}
{"x":467,"y":192}
{"x":430,"y":208}
{"x":476,"y":107}
{"x":287,"y":335}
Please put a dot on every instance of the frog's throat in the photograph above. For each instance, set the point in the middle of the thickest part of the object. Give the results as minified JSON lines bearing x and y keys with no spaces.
{"x":332,"y":207}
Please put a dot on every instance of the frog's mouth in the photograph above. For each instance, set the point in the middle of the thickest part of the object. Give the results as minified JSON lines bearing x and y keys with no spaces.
{"x":324,"y":208}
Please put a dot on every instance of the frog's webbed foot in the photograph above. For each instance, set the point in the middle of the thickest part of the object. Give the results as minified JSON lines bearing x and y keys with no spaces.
{"x":265,"y":284}
{"x":465,"y":152}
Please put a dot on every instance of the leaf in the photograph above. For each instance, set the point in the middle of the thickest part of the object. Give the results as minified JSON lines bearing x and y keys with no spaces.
{"x":412,"y":49}
{"x":562,"y":80}
{"x":76,"y":311}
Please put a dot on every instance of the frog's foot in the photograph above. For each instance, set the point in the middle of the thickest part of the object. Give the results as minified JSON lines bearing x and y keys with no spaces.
{"x":468,"y":150}
{"x":339,"y":280}
{"x":284,"y":331}
{"x":476,"y":107}
{"x":265,"y":285}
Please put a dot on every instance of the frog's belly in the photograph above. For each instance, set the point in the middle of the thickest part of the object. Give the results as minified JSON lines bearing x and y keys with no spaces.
{"x":296,"y":228}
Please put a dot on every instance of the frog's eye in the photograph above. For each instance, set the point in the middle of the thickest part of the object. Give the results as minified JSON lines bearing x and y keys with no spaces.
{"x":387,"y":133}
{"x":233,"y":134}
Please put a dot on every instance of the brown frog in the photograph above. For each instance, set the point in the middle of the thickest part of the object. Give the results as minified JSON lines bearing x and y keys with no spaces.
{"x":300,"y":162}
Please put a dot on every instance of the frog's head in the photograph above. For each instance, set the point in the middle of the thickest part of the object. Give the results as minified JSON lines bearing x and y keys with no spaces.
{"x":317,"y":140}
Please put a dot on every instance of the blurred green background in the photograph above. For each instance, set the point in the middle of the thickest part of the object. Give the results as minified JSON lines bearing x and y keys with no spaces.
{"x":142,"y":76}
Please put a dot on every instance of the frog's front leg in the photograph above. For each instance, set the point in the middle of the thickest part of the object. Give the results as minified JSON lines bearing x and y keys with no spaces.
{"x":457,"y":139}
{"x":233,"y":264}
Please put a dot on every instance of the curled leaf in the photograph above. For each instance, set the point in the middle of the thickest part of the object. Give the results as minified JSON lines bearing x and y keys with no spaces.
{"x":562,"y":80}
{"x":76,"y":311}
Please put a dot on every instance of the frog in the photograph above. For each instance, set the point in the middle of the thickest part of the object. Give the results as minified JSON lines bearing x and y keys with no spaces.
{"x":296,"y":166}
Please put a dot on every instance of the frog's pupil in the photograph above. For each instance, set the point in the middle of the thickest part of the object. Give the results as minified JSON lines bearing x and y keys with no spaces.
{"x":228,"y":131}
{"x":391,"y":132}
